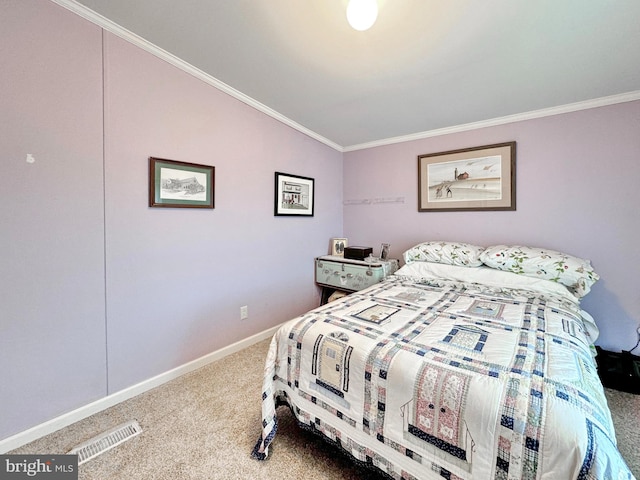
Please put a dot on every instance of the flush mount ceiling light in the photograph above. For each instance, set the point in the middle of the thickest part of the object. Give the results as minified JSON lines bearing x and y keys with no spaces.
{"x":362,"y":14}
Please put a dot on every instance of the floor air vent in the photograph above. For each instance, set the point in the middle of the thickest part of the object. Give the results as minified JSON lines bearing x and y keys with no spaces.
{"x":105,"y":441}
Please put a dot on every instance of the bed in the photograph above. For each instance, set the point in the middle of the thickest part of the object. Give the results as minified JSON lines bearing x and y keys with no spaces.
{"x":467,"y":363}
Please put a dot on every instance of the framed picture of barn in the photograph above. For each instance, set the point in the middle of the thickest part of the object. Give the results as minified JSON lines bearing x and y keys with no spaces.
{"x":176,"y":184}
{"x":478,"y":178}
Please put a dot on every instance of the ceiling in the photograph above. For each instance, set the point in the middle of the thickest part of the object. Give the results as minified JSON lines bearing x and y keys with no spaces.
{"x":425,"y":65}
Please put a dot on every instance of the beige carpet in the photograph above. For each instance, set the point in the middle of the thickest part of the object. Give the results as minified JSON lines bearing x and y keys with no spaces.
{"x":205,"y":424}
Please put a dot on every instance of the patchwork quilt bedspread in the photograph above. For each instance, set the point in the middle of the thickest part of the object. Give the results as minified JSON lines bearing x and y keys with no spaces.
{"x":431,"y":378}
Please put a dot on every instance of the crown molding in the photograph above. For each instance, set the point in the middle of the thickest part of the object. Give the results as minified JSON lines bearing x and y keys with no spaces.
{"x":131,"y":37}
{"x":519,"y":117}
{"x":112,"y":27}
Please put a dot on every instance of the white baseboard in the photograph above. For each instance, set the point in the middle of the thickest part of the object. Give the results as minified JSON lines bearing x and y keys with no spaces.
{"x":50,"y":426}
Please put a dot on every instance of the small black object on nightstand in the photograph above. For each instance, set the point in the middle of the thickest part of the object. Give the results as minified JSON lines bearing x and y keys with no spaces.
{"x":357,"y":253}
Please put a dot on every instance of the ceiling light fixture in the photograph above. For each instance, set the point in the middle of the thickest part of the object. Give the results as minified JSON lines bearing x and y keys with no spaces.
{"x":362,"y":14}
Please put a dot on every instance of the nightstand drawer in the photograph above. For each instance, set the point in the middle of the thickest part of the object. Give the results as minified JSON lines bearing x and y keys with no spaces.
{"x":351,"y":275}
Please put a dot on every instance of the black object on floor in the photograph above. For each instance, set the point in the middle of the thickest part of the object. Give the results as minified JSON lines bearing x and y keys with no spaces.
{"x":619,"y":370}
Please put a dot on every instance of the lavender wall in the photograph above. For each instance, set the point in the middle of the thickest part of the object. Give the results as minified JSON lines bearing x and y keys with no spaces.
{"x":99,"y":291}
{"x":176,"y":278}
{"x":577,"y":177}
{"x":52,"y":317}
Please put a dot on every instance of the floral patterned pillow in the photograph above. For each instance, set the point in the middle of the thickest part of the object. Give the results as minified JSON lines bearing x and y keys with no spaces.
{"x":450,"y":253}
{"x":573,"y":272}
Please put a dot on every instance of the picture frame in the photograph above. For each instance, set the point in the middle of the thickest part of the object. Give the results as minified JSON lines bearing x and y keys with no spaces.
{"x":175,"y":184}
{"x":294,"y":195}
{"x":384,"y":251}
{"x":337,"y":246}
{"x":469,"y":179}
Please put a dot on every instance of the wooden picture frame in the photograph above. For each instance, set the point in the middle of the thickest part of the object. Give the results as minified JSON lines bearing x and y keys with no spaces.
{"x":174,"y":184}
{"x":479,"y":178}
{"x":294,"y":195}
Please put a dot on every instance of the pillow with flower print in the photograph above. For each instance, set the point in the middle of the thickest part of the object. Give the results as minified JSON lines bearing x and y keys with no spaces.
{"x":575,"y":273}
{"x":450,"y":253}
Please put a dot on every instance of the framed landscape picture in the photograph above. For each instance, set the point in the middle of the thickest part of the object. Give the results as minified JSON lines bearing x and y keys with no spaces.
{"x":180,"y":184}
{"x":294,"y":195}
{"x":479,"y":178}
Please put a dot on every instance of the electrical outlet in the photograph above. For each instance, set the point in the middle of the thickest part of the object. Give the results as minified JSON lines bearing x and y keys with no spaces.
{"x":244,"y":312}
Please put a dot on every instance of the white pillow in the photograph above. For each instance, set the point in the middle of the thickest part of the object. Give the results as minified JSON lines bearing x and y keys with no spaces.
{"x":450,"y":253}
{"x":484,"y":276}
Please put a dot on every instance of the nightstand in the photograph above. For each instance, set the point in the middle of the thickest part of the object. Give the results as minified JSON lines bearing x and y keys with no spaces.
{"x":335,"y":273}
